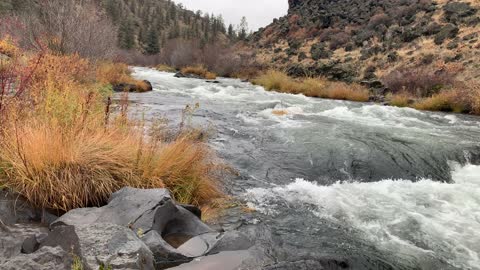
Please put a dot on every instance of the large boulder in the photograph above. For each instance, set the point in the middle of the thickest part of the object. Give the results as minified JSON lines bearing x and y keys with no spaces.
{"x":46,"y":258}
{"x":145,"y":222}
{"x":137,"y":229}
{"x":102,"y":244}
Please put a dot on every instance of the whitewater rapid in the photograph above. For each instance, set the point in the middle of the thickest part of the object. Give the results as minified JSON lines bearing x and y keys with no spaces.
{"x":335,"y":182}
{"x":426,"y":220}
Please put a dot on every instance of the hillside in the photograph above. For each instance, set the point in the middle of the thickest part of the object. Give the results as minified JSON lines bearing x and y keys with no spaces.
{"x":148,"y":25}
{"x":355,"y":40}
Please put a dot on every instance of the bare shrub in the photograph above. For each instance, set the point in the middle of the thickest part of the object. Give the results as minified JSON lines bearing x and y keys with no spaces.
{"x":68,"y":26}
{"x":419,"y":81}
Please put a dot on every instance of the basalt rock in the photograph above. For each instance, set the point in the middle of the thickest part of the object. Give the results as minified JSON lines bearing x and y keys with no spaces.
{"x":187,"y":75}
{"x":14,"y":209}
{"x":137,"y":229}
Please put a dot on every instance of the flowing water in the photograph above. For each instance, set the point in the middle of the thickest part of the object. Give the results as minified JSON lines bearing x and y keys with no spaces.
{"x":335,"y":184}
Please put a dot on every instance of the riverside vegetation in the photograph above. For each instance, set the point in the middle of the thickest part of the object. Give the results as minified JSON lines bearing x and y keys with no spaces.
{"x":64,"y":146}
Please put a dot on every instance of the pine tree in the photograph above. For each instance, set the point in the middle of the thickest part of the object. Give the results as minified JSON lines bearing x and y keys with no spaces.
{"x":243,"y":29}
{"x":126,"y":36}
{"x":231,"y":32}
{"x":152,"y":42}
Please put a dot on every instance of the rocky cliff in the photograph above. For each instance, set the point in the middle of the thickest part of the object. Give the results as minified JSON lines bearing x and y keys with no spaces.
{"x":354,"y":39}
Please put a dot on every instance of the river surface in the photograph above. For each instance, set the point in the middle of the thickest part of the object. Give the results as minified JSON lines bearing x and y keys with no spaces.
{"x":335,"y":184}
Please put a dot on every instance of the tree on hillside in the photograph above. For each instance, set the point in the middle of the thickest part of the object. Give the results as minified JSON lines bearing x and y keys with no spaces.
{"x":126,"y":35}
{"x":153,"y":46}
{"x":243,"y":29}
{"x":231,"y":32}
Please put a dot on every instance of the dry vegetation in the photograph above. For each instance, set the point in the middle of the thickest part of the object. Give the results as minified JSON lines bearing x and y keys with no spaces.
{"x":199,"y":71}
{"x":312,"y":87}
{"x":117,"y":74}
{"x":165,"y":68}
{"x":61,"y":148}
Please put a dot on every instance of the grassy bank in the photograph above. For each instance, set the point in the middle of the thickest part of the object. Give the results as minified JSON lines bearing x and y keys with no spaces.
{"x":63,"y":146}
{"x":455,"y":97}
{"x":311,"y":87}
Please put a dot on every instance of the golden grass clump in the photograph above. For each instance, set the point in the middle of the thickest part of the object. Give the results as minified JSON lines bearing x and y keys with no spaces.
{"x":118,"y":73}
{"x":165,"y":68}
{"x":400,"y":100}
{"x":82,"y":167}
{"x":60,"y":151}
{"x":200,"y":71}
{"x":445,"y":101}
{"x":312,"y":87}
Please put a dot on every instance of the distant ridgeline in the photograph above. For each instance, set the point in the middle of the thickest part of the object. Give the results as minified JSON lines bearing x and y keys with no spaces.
{"x":363,"y":39}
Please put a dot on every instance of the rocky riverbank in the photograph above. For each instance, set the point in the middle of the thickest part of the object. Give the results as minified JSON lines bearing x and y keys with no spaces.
{"x":137,"y":229}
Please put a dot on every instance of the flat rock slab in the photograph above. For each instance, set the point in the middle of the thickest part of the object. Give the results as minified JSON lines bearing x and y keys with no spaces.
{"x":228,"y":260}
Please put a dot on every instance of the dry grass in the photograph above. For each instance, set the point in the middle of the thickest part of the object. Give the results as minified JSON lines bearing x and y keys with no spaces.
{"x":118,"y":73}
{"x":446,"y":101}
{"x":165,"y":68}
{"x":84,"y":166}
{"x":312,"y":87}
{"x":400,"y":100}
{"x":60,"y":149}
{"x":200,"y":71}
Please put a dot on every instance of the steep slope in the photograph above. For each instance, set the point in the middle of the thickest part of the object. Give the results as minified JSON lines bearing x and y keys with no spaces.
{"x":147,"y":25}
{"x":363,"y":39}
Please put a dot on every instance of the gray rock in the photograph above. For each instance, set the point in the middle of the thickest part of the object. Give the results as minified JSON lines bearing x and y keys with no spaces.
{"x":46,"y":258}
{"x":14,"y":209}
{"x":102,"y":244}
{"x":229,"y":260}
{"x":231,"y":241}
{"x":12,"y":239}
{"x":187,"y":75}
{"x":162,"y":225}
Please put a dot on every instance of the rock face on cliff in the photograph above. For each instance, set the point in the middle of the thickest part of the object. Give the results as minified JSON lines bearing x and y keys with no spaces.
{"x":358,"y":36}
{"x":137,"y":229}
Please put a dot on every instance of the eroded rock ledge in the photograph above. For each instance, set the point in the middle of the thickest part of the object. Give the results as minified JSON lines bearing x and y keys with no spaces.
{"x":137,"y":229}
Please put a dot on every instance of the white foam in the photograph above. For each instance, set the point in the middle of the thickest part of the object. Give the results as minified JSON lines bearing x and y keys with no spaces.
{"x":424,"y":219}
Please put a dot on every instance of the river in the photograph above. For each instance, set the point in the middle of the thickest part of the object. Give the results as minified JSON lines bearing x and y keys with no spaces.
{"x":336,"y":184}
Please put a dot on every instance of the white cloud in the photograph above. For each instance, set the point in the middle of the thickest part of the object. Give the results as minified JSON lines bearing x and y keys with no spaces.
{"x":259,"y":13}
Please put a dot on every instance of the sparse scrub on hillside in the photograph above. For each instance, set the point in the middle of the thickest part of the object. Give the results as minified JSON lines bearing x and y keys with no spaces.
{"x":60,"y":149}
{"x":312,"y":87}
{"x":420,"y":82}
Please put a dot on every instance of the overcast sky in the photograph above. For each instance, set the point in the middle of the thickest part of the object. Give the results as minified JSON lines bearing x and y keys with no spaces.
{"x":259,"y":13}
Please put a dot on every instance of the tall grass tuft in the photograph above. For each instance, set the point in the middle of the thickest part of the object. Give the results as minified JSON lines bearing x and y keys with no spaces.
{"x":60,"y":149}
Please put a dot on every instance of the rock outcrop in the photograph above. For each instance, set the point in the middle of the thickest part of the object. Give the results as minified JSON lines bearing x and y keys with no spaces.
{"x":386,"y":34}
{"x":137,"y":229}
